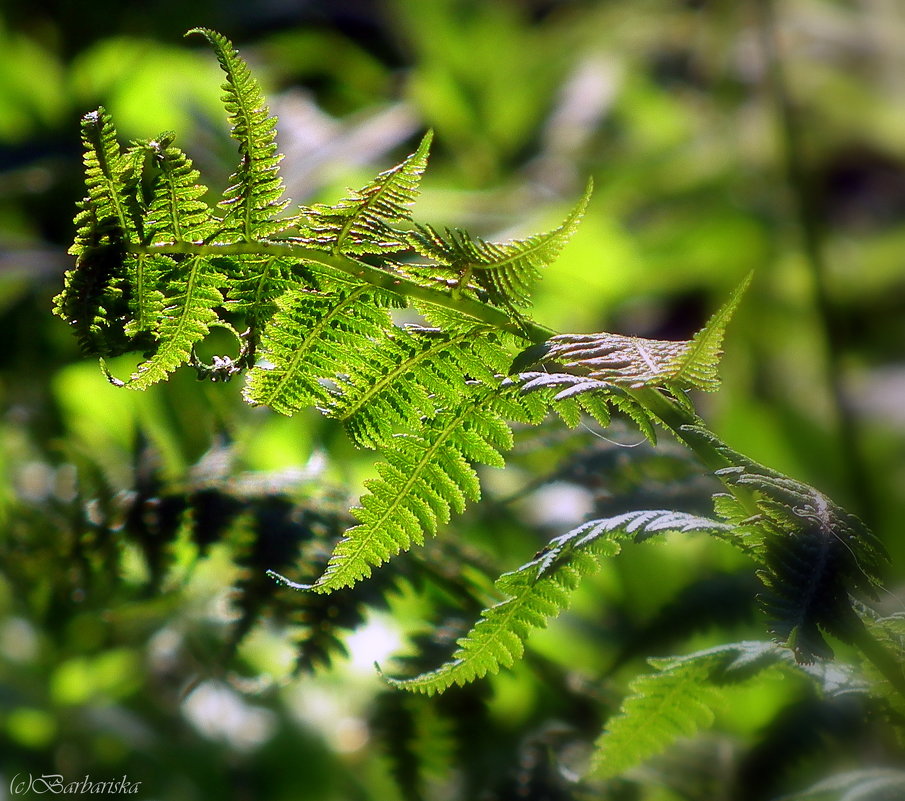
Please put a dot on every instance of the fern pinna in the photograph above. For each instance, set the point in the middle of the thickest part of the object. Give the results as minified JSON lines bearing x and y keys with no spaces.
{"x":310,"y":295}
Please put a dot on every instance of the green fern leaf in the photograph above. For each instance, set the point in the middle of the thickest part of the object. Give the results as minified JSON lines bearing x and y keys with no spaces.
{"x":253,"y":198}
{"x":94,"y":296}
{"x":592,"y":395}
{"x":506,"y":271}
{"x":254,"y":286}
{"x":814,"y":554}
{"x":193,"y":296}
{"x":176,"y":212}
{"x":636,"y":362}
{"x":697,"y":367}
{"x":409,"y":376}
{"x":311,"y":339}
{"x":109,"y":176}
{"x":426,"y":477}
{"x":145,"y":274}
{"x":542,"y":588}
{"x":677,"y":701}
{"x":360,"y":223}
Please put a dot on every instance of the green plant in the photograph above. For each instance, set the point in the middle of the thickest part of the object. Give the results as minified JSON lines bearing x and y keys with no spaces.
{"x":309,"y":298}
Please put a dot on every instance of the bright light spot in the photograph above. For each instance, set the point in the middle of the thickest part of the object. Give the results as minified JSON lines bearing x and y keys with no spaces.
{"x":332,"y":713}
{"x":561,"y":504}
{"x":349,"y":734}
{"x":221,"y":714}
{"x":370,"y":643}
{"x":18,"y":640}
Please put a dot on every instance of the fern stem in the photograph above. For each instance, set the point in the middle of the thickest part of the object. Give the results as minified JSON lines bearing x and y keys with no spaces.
{"x":879,"y":656}
{"x":392,"y":282}
{"x":677,"y":419}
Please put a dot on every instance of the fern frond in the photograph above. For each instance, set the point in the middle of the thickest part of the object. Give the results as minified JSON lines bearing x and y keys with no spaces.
{"x":311,"y":339}
{"x":254,"y":196}
{"x":636,"y":362}
{"x":145,"y":273}
{"x":890,"y":633}
{"x":360,"y":223}
{"x":108,"y":176}
{"x":426,"y":477}
{"x":698,"y":366}
{"x":176,"y":212}
{"x":410,"y":375}
{"x":192,"y":298}
{"x":677,"y":701}
{"x":94,"y":296}
{"x":506,"y":271}
{"x":814,"y":553}
{"x":542,"y":588}
{"x":592,"y":395}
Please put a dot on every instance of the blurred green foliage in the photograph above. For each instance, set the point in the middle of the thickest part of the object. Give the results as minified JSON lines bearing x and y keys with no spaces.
{"x":137,"y":633}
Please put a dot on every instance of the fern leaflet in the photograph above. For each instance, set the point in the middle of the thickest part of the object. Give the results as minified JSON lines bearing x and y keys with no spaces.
{"x":410,"y":375}
{"x":697,"y":367}
{"x":175,"y":213}
{"x":676,"y":701}
{"x":426,"y":476}
{"x":636,"y":362}
{"x":569,"y":394}
{"x":310,"y":340}
{"x":542,"y":588}
{"x":360,"y":223}
{"x":186,"y":321}
{"x":253,"y":198}
{"x":506,"y":271}
{"x":94,"y":292}
{"x":146,"y":273}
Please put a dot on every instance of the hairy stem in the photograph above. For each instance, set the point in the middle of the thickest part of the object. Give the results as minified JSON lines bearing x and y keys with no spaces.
{"x":391,"y":281}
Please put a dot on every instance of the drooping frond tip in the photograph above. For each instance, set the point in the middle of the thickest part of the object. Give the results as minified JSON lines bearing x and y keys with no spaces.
{"x":815,"y":555}
{"x":636,"y":362}
{"x":541,"y":589}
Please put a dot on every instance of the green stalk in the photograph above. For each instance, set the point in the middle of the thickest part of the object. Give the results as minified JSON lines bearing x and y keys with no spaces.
{"x":384,"y":279}
{"x":677,"y":419}
{"x":879,"y":656}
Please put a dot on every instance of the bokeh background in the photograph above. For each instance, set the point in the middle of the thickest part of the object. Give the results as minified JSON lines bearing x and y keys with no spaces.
{"x":137,"y":636}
